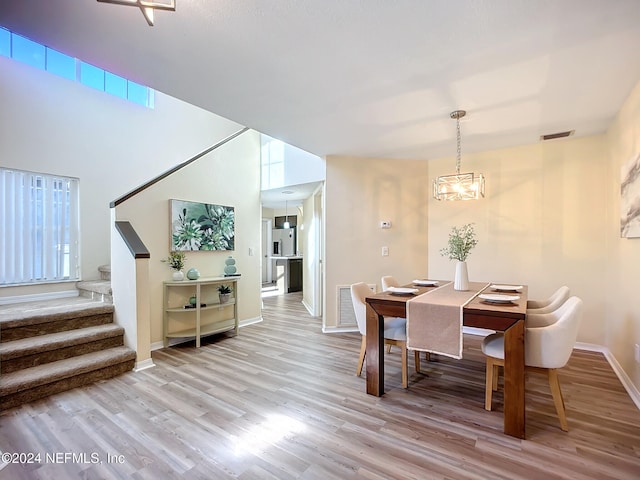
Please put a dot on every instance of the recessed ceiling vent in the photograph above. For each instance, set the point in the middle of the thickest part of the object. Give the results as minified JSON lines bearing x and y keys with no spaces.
{"x":553,"y":136}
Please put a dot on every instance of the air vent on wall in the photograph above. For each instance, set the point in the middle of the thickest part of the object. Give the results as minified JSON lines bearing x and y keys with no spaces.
{"x":346,"y":314}
{"x":552,"y":136}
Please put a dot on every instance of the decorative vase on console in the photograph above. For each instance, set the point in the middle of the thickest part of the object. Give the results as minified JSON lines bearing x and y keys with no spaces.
{"x":230,"y":267}
{"x":176,"y":262}
{"x":193,"y":274}
{"x":177,"y":276}
{"x":461,"y":241}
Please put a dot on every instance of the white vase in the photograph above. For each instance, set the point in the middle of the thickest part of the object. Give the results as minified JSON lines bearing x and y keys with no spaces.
{"x":178,"y":275}
{"x":461,"y":280}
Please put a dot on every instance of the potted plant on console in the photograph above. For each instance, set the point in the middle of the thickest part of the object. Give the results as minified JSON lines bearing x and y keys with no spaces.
{"x":224,"y":292}
{"x":176,"y":261}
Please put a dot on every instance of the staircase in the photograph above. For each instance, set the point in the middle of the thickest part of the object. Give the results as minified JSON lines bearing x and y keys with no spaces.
{"x":98,"y":289}
{"x":50,"y":346}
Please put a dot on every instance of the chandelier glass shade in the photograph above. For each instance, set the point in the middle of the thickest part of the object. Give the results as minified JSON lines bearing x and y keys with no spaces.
{"x":286,"y":218}
{"x":458,"y":186}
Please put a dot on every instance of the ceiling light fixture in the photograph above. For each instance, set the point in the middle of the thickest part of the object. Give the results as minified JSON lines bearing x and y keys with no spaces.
{"x":146,"y":6}
{"x":286,"y":218}
{"x":461,"y":186}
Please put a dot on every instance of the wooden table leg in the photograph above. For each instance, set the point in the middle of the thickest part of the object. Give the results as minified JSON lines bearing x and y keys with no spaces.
{"x":375,"y":352}
{"x":514,"y":404}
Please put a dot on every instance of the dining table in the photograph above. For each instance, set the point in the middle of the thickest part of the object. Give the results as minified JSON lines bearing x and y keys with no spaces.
{"x":476,"y":312}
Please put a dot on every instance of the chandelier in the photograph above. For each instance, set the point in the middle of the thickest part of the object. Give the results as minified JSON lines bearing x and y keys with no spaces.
{"x":460,"y":186}
{"x":146,"y":6}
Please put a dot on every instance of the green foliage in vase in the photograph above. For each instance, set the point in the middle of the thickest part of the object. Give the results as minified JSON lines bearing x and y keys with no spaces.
{"x":223,"y":289}
{"x":176,"y":260}
{"x":461,"y":241}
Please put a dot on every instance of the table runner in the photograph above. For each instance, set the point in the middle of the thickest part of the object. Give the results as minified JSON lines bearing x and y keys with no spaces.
{"x":434,"y":319}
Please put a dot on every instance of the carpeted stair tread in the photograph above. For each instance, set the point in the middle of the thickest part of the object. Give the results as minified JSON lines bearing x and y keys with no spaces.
{"x":52,"y":372}
{"x":34,"y":313}
{"x":53,"y":341}
{"x":98,"y":286}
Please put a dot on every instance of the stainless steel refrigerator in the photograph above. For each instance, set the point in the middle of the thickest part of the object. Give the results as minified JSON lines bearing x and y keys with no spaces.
{"x":284,"y":242}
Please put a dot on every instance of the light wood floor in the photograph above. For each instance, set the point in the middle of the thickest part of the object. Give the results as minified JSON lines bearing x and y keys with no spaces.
{"x":281,"y":401}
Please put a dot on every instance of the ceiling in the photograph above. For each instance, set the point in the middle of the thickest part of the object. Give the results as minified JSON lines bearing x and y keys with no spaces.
{"x":375,"y":78}
{"x":291,"y":195}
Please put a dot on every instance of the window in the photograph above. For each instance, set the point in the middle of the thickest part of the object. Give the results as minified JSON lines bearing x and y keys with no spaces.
{"x":39,"y":227}
{"x":27,"y":51}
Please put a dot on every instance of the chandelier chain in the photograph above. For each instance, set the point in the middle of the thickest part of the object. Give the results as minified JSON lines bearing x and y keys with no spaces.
{"x":459,"y":152}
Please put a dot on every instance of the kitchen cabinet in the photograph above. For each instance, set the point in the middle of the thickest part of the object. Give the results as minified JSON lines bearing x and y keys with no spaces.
{"x":288,"y":273}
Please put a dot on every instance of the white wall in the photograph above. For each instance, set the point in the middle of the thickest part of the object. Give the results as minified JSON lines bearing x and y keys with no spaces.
{"x":622,"y":282}
{"x":298,"y":166}
{"x":53,"y":125}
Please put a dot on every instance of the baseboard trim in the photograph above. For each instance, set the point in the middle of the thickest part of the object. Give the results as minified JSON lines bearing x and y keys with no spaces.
{"x":310,"y":310}
{"x":339,"y":329}
{"x":250,"y":321}
{"x":143,"y":365}
{"x":628,"y":385}
{"x":37,"y":297}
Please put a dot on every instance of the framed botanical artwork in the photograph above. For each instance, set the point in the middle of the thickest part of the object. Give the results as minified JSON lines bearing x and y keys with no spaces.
{"x":630,"y":199}
{"x":201,"y":226}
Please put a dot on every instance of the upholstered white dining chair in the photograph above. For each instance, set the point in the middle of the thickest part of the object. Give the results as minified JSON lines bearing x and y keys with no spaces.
{"x":395,"y":331}
{"x":388,"y":281}
{"x":552,"y":303}
{"x":547,"y":348}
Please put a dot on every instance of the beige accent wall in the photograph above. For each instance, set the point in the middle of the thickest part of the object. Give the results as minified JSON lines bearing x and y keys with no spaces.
{"x":359,"y":193}
{"x":228,"y":176}
{"x":622,"y":282}
{"x":543,"y":222}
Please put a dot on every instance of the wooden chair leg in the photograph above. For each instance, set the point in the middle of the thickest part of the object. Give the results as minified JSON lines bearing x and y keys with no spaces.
{"x":496,"y":377}
{"x":554,"y":384}
{"x":488,"y":389}
{"x":417,"y":360}
{"x":427,"y":356}
{"x":388,"y":348}
{"x":405,"y":372}
{"x":363,"y":351}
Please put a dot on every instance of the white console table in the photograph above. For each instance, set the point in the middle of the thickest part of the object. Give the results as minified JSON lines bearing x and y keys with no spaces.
{"x":206,"y":317}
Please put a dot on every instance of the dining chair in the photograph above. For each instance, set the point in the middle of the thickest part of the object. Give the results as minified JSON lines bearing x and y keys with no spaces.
{"x":552,"y":303}
{"x":547,"y":348}
{"x":390,"y":281}
{"x":395,"y":331}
